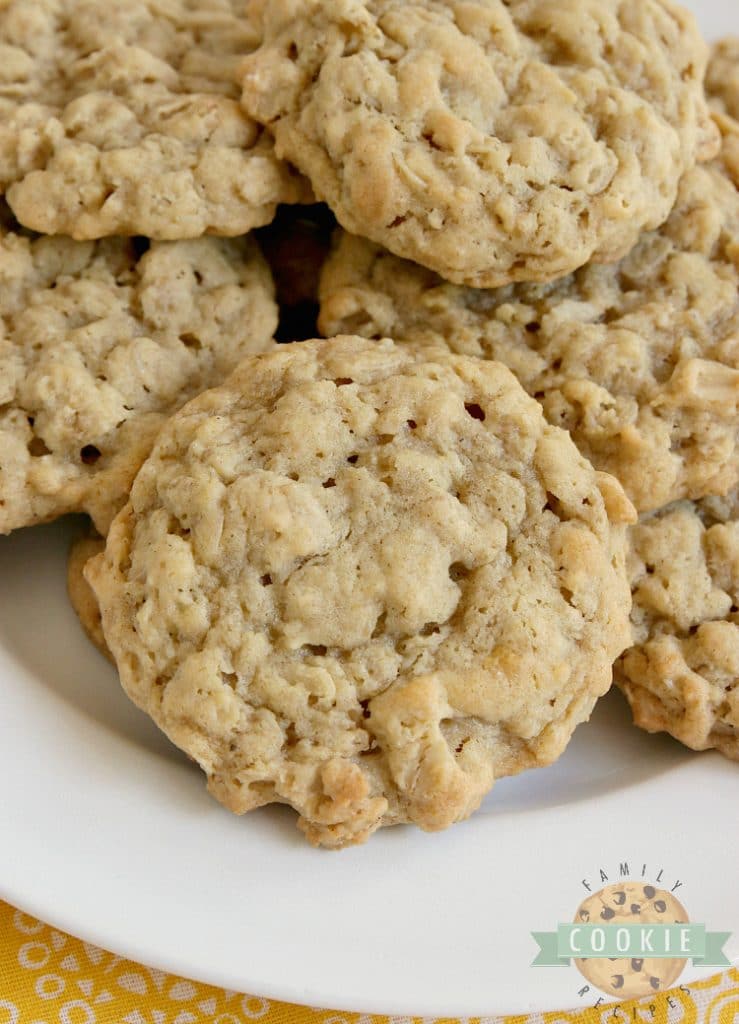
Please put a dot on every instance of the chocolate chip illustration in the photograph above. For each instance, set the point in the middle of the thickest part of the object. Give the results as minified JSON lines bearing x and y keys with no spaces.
{"x":623,"y":903}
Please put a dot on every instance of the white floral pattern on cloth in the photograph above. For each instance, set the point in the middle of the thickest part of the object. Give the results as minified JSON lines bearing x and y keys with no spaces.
{"x":47,"y":977}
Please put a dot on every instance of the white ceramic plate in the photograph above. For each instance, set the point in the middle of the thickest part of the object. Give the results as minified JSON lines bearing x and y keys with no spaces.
{"x":106,"y":831}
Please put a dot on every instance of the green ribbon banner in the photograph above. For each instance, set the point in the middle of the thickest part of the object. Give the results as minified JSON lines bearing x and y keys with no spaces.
{"x":638,"y":941}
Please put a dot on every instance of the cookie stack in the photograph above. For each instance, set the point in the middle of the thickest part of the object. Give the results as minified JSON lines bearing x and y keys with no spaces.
{"x":370,"y":575}
{"x":639,"y":360}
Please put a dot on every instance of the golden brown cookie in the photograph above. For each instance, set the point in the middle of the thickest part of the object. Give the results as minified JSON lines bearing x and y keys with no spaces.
{"x":122,"y":117}
{"x":80,"y":592}
{"x":722,"y":79}
{"x":638,"y":360}
{"x":365,"y":585}
{"x":490,"y":141}
{"x":682,"y":674}
{"x":100,"y":342}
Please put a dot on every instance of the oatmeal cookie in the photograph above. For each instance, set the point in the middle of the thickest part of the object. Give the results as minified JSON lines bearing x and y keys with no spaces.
{"x":80,"y":592}
{"x":123,"y":117}
{"x":722,"y":79}
{"x":490,"y":141}
{"x":365,"y":585}
{"x":638,"y":360}
{"x":682,"y":674}
{"x":99,"y":344}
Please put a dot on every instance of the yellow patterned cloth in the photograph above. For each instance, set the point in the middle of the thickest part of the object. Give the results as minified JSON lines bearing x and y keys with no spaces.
{"x":47,"y":977}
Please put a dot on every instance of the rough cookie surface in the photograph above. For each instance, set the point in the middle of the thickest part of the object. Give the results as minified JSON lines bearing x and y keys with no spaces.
{"x":80,"y":592}
{"x":682,"y":675}
{"x":365,"y":585}
{"x":638,"y":360}
{"x":490,"y":141}
{"x":122,"y":117}
{"x":98,"y":345}
{"x":722,"y":79}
